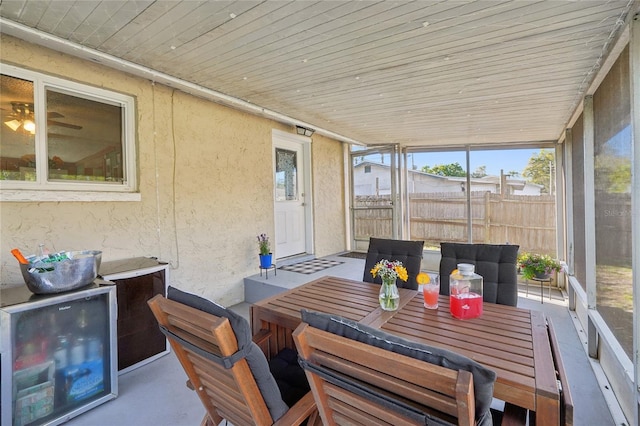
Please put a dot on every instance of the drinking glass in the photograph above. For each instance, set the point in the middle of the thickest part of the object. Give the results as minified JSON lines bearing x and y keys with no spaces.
{"x":430,"y":292}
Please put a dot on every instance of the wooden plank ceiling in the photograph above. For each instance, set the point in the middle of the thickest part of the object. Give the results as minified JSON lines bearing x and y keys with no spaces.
{"x":416,"y":73}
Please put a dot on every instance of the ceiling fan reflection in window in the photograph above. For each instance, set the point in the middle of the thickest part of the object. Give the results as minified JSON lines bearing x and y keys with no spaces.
{"x":21,"y":117}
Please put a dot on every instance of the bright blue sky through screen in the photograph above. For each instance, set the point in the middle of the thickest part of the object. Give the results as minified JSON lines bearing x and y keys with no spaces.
{"x":494,"y":160}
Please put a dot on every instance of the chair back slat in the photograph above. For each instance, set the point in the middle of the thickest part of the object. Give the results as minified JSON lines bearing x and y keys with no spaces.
{"x":349,"y":408}
{"x":370,"y":377}
{"x":229,"y":393}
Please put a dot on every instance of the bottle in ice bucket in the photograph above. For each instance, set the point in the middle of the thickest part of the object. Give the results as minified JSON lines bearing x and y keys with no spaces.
{"x":465,"y":289}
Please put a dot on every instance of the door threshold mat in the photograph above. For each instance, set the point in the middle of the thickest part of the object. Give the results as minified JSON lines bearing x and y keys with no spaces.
{"x":311,"y":266}
{"x":354,"y":255}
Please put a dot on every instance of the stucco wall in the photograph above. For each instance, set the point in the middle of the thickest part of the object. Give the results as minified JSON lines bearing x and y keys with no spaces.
{"x":328,"y":189}
{"x":206,"y":185}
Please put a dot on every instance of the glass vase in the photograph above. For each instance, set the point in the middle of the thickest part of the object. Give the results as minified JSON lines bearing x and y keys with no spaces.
{"x":389,"y":297}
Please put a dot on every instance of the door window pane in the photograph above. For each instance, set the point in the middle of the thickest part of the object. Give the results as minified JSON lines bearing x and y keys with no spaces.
{"x":286,"y":175}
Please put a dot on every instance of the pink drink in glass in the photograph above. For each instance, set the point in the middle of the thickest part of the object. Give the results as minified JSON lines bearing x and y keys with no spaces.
{"x":430,"y":293}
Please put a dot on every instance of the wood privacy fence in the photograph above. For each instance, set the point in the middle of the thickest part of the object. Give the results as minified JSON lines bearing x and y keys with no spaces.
{"x":529,"y":221}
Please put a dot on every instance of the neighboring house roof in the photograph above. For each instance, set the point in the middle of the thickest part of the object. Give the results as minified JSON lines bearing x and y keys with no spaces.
{"x":515,"y":183}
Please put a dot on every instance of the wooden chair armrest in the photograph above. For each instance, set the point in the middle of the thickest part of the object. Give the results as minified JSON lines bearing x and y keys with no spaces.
{"x":302,"y":410}
{"x":261,"y":336}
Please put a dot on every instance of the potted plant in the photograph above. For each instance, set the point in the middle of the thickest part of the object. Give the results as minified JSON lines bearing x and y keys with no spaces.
{"x":265,"y":251}
{"x":534,"y":265}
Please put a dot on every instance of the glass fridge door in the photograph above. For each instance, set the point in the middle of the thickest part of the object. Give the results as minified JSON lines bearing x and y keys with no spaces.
{"x":61,"y":356}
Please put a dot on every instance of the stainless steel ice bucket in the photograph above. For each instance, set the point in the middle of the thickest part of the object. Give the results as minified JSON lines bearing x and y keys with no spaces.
{"x":79,"y":270}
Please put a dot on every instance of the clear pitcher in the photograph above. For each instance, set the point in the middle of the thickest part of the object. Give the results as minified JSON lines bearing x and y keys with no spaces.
{"x":465,"y":294}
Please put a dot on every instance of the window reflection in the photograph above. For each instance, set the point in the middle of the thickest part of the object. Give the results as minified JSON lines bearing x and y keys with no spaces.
{"x":17,"y":142}
{"x":84,"y":136}
{"x":286,"y":175}
{"x":87,"y":144}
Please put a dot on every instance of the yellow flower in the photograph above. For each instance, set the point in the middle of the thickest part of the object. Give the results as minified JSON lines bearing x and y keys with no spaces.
{"x":390,"y":270}
{"x":402,"y":273}
{"x":375,"y":270}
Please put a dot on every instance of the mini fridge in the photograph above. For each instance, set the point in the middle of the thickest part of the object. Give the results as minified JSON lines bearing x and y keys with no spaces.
{"x":137,"y":280}
{"x":58,"y":353}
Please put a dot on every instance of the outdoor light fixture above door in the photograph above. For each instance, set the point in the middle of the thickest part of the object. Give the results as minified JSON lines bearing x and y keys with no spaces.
{"x":304,"y":131}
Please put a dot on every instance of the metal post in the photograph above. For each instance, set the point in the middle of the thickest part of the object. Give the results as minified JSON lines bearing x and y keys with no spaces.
{"x":634,"y":72}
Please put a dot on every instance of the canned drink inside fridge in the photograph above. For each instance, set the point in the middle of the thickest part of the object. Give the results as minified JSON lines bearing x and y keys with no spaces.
{"x":61,"y":353}
{"x":78,"y":351}
{"x":94,"y":349}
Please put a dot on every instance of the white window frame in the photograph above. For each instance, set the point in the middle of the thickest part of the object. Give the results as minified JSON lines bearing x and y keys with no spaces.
{"x":44,"y":190}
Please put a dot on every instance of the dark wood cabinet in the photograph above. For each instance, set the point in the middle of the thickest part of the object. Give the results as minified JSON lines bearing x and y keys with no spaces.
{"x":137,"y":280}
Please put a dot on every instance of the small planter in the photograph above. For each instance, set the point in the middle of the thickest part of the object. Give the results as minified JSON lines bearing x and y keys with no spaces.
{"x":543,"y":276}
{"x":538,"y":266}
{"x":266,"y":260}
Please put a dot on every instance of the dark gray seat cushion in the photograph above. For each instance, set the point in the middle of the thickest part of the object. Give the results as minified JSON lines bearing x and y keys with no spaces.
{"x":496,"y":263}
{"x":407,"y":252}
{"x":258,"y":364}
{"x":483,"y":378}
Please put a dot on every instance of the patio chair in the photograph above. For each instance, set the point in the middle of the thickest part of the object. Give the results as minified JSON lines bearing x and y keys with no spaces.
{"x":227,"y":369}
{"x":362,"y":375}
{"x":496,"y":263}
{"x":407,"y":252}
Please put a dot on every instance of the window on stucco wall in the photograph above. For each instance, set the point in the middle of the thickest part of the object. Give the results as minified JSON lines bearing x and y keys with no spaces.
{"x":58,"y":135}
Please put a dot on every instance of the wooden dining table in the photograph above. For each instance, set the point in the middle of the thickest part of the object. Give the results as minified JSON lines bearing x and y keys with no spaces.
{"x":514,"y":342}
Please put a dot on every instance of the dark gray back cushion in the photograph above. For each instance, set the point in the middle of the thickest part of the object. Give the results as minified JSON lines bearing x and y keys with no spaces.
{"x":254,"y":355}
{"x":407,"y":252}
{"x":496,"y":263}
{"x":483,"y":378}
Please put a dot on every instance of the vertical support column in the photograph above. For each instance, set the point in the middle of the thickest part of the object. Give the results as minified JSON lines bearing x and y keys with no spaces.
{"x":589,"y":221}
{"x":347,"y":170}
{"x":634,"y":64}
{"x":567,"y":167}
{"x":396,"y":231}
{"x":561,"y":237}
{"x":405,"y":196}
{"x":589,"y":201}
{"x":468,"y":193}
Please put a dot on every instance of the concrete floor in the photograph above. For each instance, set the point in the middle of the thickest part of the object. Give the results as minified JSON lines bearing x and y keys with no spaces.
{"x":155,"y":394}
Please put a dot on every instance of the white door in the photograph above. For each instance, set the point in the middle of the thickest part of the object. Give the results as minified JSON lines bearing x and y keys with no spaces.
{"x":291,"y":209}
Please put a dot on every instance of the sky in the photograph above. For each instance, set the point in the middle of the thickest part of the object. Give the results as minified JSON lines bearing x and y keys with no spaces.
{"x":494,"y":160}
